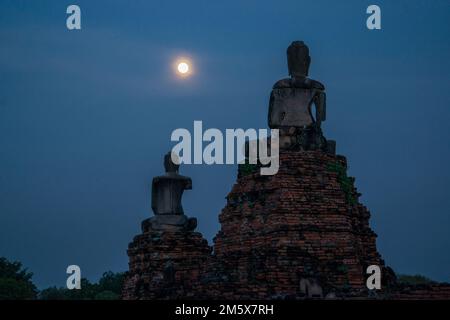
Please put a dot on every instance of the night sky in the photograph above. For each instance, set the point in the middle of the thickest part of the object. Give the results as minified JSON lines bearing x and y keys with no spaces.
{"x":86,"y":117}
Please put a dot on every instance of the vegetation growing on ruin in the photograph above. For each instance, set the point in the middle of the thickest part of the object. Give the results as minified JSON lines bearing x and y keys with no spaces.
{"x":345,"y":181}
{"x":247,"y":168}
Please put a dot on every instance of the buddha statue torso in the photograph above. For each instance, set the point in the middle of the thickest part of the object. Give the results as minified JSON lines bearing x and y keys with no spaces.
{"x":291,"y":99}
{"x":167,"y":191}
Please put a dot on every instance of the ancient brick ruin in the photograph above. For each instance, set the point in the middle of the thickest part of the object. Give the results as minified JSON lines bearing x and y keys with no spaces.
{"x":301,"y":233}
{"x":302,"y":224}
{"x":165,"y":265}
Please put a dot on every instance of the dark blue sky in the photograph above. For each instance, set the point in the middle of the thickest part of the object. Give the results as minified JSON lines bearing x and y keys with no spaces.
{"x":86,"y":116}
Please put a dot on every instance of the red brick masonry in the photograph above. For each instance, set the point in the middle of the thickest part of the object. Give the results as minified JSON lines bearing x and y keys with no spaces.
{"x":302,"y":225}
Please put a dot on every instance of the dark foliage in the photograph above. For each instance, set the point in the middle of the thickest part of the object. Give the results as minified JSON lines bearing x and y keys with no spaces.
{"x":15,"y":281}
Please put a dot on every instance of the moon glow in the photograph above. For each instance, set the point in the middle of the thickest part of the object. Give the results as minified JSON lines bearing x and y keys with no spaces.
{"x":183,"y":68}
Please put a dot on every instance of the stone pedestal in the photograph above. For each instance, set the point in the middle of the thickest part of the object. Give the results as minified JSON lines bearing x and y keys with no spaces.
{"x":165,"y":264}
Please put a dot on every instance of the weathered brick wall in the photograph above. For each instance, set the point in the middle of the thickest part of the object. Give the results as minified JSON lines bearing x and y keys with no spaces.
{"x":305,"y":222}
{"x":422,"y":292}
{"x":165,"y":264}
{"x":299,"y":223}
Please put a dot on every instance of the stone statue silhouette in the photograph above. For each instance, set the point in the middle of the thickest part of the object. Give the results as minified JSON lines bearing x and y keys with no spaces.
{"x":167,"y":191}
{"x":291,"y":99}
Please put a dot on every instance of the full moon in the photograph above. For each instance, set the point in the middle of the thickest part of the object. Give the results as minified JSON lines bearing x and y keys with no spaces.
{"x":183,"y":67}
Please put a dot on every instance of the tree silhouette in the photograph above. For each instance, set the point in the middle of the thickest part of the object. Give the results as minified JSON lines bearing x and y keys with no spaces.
{"x":15,"y":281}
{"x":108,"y":288}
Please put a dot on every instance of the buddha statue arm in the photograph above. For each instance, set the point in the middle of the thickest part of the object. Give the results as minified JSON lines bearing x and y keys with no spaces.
{"x":321,"y":106}
{"x":154,"y":194}
{"x":188,"y":185}
{"x":270,"y":118}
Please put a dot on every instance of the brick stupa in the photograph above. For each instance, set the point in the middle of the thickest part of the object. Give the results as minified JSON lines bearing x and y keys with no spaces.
{"x":303,"y":224}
